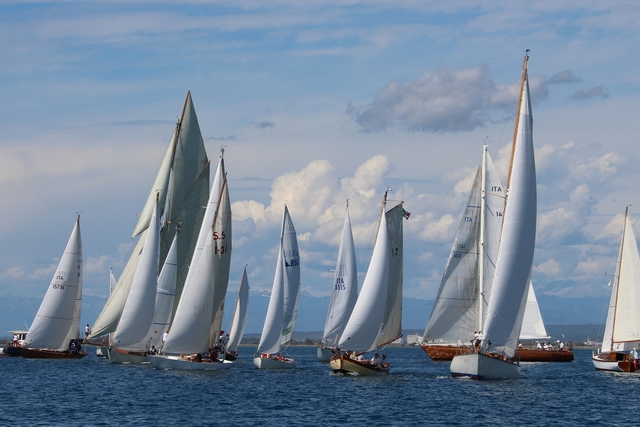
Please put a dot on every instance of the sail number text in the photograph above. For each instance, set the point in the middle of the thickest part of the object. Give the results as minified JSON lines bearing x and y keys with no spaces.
{"x":58,"y":281}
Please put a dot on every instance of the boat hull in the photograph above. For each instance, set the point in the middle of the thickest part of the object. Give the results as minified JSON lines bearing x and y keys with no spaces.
{"x":182,"y":364}
{"x":265,"y":362}
{"x":443,"y":353}
{"x":102,"y":351}
{"x":342,"y":364}
{"x":614,"y":361}
{"x":33,"y":353}
{"x":11,"y":351}
{"x":325,"y":354}
{"x":480,"y":366}
{"x":118,"y":356}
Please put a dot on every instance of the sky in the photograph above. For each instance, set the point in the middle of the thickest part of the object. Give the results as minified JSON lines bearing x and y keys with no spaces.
{"x":316,"y":102}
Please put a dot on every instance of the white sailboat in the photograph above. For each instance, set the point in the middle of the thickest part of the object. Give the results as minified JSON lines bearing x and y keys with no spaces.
{"x":130,"y":343}
{"x":283,"y":303}
{"x":190,"y":344}
{"x":239,"y":318}
{"x":460,"y":308}
{"x":376,"y":319}
{"x":181,"y":185}
{"x":343,"y":295}
{"x":55,"y":331}
{"x":496,"y":353}
{"x":622,"y":329}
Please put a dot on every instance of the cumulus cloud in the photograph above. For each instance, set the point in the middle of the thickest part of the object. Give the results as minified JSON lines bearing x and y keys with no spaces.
{"x":594,"y":92}
{"x":263,"y":124}
{"x":443,"y":100}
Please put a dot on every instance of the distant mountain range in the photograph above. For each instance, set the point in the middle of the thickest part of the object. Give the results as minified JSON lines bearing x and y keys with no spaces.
{"x":17,"y":312}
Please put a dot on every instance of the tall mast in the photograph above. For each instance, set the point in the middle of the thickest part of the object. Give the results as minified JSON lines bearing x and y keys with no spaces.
{"x":481,"y":241}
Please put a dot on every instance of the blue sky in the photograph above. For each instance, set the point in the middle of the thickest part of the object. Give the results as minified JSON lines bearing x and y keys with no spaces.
{"x":315,"y":103}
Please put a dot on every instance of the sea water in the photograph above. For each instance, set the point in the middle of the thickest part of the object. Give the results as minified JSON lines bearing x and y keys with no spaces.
{"x":418,"y":391}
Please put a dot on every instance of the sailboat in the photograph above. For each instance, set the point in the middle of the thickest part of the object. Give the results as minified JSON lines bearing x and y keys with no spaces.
{"x":460,"y":308}
{"x":130,"y":343}
{"x":622,"y":330}
{"x":192,"y":335}
{"x":282,"y":311}
{"x":343,"y":295}
{"x":533,"y":329}
{"x":180,"y":188}
{"x":376,"y":319}
{"x":494,"y":358}
{"x":55,"y":331}
{"x":239,"y":318}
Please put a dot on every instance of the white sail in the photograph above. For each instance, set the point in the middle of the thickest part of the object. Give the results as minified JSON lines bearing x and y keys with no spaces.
{"x":366,"y":320}
{"x":461,"y":304}
{"x":291,"y":278}
{"x":283,"y":303}
{"x":138,"y":311}
{"x":345,"y":287}
{"x":392,"y":320}
{"x":112,"y":281}
{"x":54,"y":322}
{"x":165,"y":295}
{"x":239,"y":314}
{"x":607,"y":340}
{"x":188,"y":191}
{"x":532,"y":325}
{"x":190,"y":331}
{"x":626,"y":321}
{"x":517,"y":243}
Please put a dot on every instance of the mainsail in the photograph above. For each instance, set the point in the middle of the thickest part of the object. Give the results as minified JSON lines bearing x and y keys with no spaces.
{"x":58,"y":318}
{"x":186,"y":185}
{"x":461,"y":304}
{"x":532,"y":325}
{"x":345,"y":287}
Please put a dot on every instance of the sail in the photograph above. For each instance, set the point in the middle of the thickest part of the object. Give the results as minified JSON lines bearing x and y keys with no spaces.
{"x":517,"y":243}
{"x":366,"y":320}
{"x":270,"y":337}
{"x":532,"y":324}
{"x":626,"y":322}
{"x":165,"y":295}
{"x":195,"y":309}
{"x":607,"y":340}
{"x":222,"y":260}
{"x":345,"y":287}
{"x":461,"y":304}
{"x":291,"y":277}
{"x":392,"y":320}
{"x":188,"y":192}
{"x":112,"y":281}
{"x":240,"y":313}
{"x":137,"y":314}
{"x":54,"y":321}
{"x":158,"y":194}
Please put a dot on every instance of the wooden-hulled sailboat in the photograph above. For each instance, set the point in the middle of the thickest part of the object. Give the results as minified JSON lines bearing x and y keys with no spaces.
{"x":283,"y":303}
{"x":376,"y":319}
{"x":239,"y":318}
{"x":181,"y":187}
{"x":130,"y":343}
{"x":190,"y":344}
{"x":622,"y":329}
{"x":54,"y":333}
{"x":343,"y":295}
{"x":460,"y":308}
{"x":495,"y":356}
{"x":533,"y":329}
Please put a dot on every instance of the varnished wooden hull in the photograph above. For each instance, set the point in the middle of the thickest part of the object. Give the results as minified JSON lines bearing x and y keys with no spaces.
{"x":443,"y":353}
{"x":32,"y":353}
{"x":343,"y":364}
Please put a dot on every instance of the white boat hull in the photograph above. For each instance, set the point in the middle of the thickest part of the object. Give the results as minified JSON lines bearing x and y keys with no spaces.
{"x":614,"y":361}
{"x":263,"y":362}
{"x":480,"y":366}
{"x":102,"y":351}
{"x":180,"y":363}
{"x":325,"y":354}
{"x":120,"y":357}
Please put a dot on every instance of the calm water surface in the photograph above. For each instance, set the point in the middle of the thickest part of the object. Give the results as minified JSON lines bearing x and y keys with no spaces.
{"x":92,"y":392}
